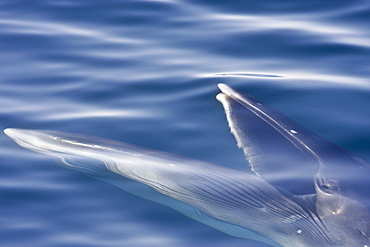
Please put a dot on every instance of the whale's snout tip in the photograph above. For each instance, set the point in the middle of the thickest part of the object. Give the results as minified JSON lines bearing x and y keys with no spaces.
{"x":12,"y":132}
{"x":8,"y":131}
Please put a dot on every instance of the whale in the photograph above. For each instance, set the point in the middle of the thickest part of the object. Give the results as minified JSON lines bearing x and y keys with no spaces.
{"x":299,"y":189}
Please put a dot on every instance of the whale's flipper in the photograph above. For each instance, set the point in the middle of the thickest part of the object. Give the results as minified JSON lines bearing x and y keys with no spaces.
{"x":276,"y":147}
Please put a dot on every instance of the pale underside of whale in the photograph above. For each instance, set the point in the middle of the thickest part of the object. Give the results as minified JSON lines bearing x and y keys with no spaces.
{"x":305,"y":190}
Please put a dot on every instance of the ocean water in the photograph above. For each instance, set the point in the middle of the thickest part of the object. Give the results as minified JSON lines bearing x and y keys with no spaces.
{"x":146,"y":72}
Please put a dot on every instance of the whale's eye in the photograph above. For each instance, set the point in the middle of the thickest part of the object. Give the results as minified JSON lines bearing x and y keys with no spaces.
{"x":328,"y":186}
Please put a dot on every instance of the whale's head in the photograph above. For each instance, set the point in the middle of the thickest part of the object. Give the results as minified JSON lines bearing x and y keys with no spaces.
{"x":39,"y":141}
{"x":78,"y":152}
{"x":58,"y":142}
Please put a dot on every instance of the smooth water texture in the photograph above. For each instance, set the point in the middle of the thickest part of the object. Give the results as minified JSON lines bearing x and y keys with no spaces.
{"x":145,"y":72}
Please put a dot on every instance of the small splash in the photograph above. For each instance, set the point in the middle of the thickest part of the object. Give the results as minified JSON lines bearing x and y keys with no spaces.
{"x":255,"y":75}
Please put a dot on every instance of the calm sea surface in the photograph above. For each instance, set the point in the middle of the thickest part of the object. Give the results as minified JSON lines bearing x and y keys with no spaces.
{"x":145,"y":72}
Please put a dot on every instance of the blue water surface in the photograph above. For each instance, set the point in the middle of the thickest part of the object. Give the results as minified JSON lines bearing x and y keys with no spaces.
{"x":146,"y":72}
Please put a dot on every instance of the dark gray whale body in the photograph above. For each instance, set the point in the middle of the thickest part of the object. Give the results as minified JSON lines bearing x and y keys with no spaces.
{"x":332,"y":210}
